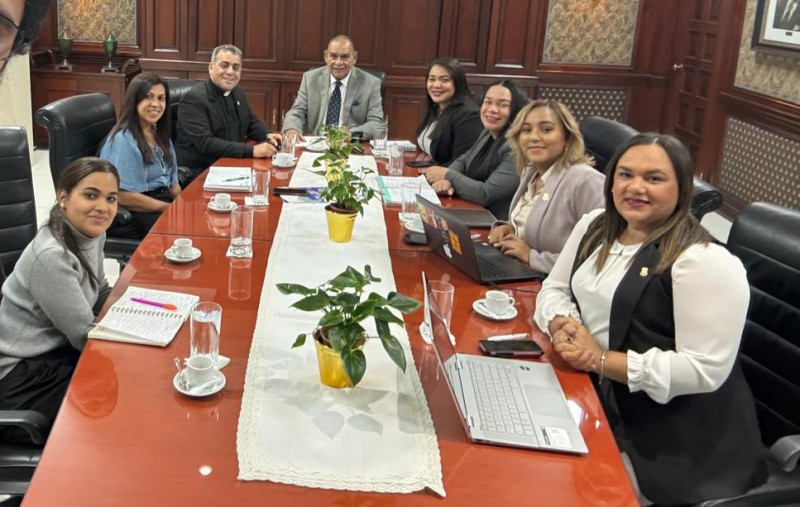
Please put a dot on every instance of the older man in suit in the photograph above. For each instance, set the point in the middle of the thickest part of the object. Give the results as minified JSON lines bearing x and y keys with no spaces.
{"x":338,"y":93}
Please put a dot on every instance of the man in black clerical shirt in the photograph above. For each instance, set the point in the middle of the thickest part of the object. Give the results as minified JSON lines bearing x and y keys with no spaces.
{"x":214,"y":118}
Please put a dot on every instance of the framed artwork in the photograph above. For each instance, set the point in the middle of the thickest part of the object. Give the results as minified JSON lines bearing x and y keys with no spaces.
{"x":777,"y":27}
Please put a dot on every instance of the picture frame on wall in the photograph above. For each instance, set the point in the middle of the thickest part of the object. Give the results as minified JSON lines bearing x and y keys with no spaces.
{"x":777,"y":27}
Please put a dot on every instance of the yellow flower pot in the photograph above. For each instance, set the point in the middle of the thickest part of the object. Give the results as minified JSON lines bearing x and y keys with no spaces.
{"x":331,"y":368}
{"x":340,"y":224}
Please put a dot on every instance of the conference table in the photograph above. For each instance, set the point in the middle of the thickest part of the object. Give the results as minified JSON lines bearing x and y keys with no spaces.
{"x":125,"y":436}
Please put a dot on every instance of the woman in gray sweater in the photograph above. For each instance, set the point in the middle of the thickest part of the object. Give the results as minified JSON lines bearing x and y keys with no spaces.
{"x":485,"y":174}
{"x":49,"y":298}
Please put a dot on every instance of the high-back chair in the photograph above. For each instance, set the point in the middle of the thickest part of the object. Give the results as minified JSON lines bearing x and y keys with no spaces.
{"x":766,"y":238}
{"x":17,"y":229}
{"x":178,"y":88}
{"x":77,"y":126}
{"x":602,"y":138}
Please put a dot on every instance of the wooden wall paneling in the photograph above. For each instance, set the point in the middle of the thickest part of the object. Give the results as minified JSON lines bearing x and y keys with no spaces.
{"x":260,"y":28}
{"x":264,"y":99}
{"x":512,"y":32}
{"x":210,"y":24}
{"x":310,"y":25}
{"x":166,"y":23}
{"x":364,"y":22}
{"x":403,"y":105}
{"x":288,"y":94}
{"x":412,"y":36}
{"x":464,"y":32}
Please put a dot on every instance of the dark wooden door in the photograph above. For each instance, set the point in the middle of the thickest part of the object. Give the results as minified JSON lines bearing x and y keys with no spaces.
{"x":259,"y":32}
{"x":166,"y":34}
{"x":210,"y":25}
{"x":690,"y":94}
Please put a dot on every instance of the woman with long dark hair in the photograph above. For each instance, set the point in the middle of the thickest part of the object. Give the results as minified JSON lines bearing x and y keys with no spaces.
{"x":644,"y":300}
{"x":485,"y":174}
{"x":450,"y":122}
{"x":140,"y":147}
{"x":50,"y":297}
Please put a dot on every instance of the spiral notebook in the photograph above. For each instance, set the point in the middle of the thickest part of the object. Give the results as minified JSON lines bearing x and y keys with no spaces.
{"x":133,"y":322}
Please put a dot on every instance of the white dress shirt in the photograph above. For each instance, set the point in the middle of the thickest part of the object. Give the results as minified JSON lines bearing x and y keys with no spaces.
{"x":710,"y":296}
{"x":519,"y":215}
{"x":424,"y":138}
{"x":342,"y":90}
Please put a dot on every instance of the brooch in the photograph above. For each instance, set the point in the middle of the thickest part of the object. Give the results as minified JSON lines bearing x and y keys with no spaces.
{"x":545,"y":196}
{"x":643,"y":272}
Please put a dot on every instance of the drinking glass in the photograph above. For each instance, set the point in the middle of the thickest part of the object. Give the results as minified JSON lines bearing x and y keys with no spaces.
{"x":381,"y":132}
{"x":443,"y":294}
{"x":239,"y":277}
{"x":288,"y":143}
{"x":242,"y":231}
{"x":395,"y":161}
{"x":206,"y":321}
{"x":261,"y":187}
{"x":409,"y":191}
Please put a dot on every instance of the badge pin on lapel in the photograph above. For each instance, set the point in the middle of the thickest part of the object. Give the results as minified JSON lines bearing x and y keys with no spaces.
{"x":545,"y":196}
{"x":644,"y":271}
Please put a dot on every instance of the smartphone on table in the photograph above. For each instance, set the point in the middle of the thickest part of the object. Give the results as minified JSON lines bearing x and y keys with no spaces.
{"x":511,"y":348}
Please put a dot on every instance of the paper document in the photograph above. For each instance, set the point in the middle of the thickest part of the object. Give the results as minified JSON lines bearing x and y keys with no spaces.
{"x":229,"y":179}
{"x":392,"y":192}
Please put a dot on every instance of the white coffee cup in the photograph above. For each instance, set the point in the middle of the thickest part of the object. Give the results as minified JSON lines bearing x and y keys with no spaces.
{"x":183,"y":247}
{"x":199,"y":370}
{"x":282,"y":158}
{"x":498,"y":302}
{"x":222,"y":200}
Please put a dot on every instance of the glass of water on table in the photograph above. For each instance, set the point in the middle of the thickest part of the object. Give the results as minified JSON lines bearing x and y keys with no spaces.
{"x":206,"y":322}
{"x":242,"y":231}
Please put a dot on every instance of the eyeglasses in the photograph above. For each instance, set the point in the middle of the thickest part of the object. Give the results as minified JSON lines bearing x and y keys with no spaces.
{"x":11,"y":38}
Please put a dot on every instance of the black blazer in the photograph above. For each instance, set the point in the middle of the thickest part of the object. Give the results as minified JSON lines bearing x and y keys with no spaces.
{"x":203,"y":134}
{"x":458,"y":135}
{"x":697,"y":446}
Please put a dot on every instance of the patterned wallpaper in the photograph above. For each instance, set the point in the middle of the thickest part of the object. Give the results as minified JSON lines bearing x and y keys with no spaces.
{"x":92,"y":20}
{"x":763,"y":72}
{"x":591,"y":31}
{"x":758,"y":165}
{"x":583,"y":102}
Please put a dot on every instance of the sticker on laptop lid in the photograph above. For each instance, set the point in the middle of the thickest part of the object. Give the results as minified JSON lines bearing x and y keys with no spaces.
{"x":556,"y":437}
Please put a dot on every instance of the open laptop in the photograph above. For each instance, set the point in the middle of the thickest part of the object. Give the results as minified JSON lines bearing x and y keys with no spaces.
{"x":449,"y":237}
{"x":505,"y":401}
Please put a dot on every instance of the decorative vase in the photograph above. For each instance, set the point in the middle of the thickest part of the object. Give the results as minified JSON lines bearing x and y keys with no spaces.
{"x":110,"y":47}
{"x":65,"y":47}
{"x":331,"y":368}
{"x":340,"y":224}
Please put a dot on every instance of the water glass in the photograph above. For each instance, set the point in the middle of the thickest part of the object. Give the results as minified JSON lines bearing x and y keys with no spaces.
{"x":242,"y":231}
{"x":288,"y":143}
{"x":206,"y":321}
{"x":261,"y":187}
{"x":381,"y":133}
{"x":409,"y":191}
{"x":443,"y":294}
{"x":395,"y":161}
{"x":239,"y":281}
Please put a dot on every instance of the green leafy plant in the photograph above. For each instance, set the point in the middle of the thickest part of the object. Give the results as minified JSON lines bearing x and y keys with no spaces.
{"x":346,"y":190}
{"x":344,"y":306}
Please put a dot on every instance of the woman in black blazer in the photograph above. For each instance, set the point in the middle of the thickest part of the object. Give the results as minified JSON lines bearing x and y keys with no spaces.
{"x":450,"y":124}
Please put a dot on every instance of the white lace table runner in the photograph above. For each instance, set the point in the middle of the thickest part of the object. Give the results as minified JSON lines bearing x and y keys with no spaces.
{"x":378,"y":436}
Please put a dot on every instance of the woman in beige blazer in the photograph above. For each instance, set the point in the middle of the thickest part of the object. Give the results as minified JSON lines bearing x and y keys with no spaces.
{"x":557,"y":185}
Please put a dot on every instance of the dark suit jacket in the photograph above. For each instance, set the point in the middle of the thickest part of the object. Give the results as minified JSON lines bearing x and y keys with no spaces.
{"x":458,"y":136}
{"x":203,"y":134}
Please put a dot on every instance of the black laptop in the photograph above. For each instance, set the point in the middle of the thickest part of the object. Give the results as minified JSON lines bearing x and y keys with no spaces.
{"x":449,"y":237}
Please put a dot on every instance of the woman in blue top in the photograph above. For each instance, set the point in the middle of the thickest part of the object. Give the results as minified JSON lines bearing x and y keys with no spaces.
{"x":140,"y":147}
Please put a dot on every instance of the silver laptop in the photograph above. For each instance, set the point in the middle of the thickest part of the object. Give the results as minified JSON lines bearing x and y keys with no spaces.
{"x":505,"y":401}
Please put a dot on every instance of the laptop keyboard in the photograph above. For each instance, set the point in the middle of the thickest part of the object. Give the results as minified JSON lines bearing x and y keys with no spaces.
{"x":490,"y":271}
{"x":501,"y":407}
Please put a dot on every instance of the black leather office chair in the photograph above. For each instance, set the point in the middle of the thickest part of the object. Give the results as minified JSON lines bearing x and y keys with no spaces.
{"x":17,"y":229}
{"x":77,"y":126}
{"x":766,"y":238}
{"x":602,"y":138}
{"x":178,"y":88}
{"x":380,"y":75}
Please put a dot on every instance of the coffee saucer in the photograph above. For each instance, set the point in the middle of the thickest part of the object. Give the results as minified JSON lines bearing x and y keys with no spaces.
{"x":414,"y":225}
{"x":275,"y":163}
{"x":480,"y":306}
{"x":214,"y":389}
{"x":172,"y":257}
{"x":221,"y":209}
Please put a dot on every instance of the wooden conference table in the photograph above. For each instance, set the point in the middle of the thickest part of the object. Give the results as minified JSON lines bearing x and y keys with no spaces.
{"x":125,"y":436}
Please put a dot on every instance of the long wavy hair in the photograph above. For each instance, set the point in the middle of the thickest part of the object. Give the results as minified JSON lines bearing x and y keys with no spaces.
{"x":129,"y":118}
{"x":574,"y":149}
{"x":58,"y":223}
{"x":676,"y":234}
{"x":461,"y":96}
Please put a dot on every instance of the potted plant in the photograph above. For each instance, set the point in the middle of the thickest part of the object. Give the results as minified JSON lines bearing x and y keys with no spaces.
{"x":346,"y":192}
{"x":339,"y":336}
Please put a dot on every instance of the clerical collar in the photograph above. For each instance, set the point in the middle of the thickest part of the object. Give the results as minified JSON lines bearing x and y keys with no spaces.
{"x":220,"y":90}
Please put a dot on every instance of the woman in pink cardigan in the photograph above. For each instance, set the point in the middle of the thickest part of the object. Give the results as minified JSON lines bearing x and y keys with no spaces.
{"x":557,"y":185}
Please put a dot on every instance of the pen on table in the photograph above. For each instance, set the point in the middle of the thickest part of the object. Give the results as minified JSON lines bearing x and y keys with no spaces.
{"x":501,"y":337}
{"x":237,"y":179}
{"x":166,"y":306}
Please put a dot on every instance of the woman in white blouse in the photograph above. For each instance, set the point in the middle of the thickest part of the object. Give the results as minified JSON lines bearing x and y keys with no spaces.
{"x":643,"y":299}
{"x":557,"y":185}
